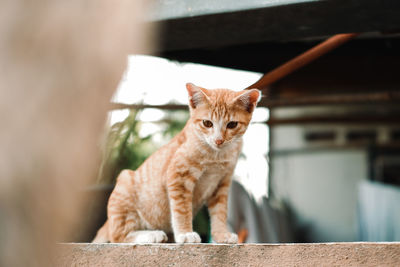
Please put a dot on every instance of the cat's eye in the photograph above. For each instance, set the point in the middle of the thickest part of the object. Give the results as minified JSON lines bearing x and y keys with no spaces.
{"x":232,"y":124}
{"x":207,"y":123}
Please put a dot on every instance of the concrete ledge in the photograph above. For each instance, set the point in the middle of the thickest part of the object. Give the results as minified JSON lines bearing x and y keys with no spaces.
{"x":191,"y":255}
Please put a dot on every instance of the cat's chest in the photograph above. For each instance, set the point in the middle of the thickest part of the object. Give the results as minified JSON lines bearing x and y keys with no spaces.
{"x":209,"y":181}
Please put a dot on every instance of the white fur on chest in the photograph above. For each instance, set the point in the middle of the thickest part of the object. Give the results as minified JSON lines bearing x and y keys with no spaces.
{"x":208,"y":183}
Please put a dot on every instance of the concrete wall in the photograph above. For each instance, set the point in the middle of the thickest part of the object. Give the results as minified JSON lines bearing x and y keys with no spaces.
{"x":342,"y":254}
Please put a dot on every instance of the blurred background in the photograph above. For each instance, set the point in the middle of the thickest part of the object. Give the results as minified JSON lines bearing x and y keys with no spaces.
{"x":100,"y":86}
{"x":321,"y":159}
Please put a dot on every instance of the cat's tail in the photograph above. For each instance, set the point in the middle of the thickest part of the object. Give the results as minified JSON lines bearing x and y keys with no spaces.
{"x":102,"y":234}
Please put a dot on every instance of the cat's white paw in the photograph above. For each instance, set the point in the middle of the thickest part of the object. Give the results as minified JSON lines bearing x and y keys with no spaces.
{"x":147,"y":237}
{"x":227,"y":238}
{"x":190,"y":237}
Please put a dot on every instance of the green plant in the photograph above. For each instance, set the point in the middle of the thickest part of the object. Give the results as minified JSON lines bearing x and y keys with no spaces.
{"x":125,"y":149}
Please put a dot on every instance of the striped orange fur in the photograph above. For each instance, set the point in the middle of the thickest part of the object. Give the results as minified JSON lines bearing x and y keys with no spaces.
{"x":193,"y":169}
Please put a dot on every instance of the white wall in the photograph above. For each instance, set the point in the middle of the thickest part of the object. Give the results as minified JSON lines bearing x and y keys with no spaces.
{"x":319,"y":185}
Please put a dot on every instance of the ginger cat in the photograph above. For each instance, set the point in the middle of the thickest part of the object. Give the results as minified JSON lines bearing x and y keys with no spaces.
{"x":193,"y":169}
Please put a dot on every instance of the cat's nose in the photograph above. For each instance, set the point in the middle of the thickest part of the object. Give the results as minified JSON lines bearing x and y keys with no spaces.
{"x":219,"y":141}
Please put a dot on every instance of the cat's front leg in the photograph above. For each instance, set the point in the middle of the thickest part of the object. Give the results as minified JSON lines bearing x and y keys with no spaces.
{"x":217,"y":207}
{"x":180,"y":191}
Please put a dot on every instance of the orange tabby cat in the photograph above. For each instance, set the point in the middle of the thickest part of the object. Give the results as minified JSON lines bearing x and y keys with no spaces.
{"x":193,"y":169}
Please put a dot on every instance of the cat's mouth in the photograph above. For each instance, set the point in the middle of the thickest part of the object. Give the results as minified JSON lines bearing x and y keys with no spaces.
{"x":220,"y":146}
{"x":215,"y":146}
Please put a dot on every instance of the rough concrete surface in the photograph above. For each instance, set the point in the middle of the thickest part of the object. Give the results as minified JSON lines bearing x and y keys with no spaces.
{"x":191,"y":255}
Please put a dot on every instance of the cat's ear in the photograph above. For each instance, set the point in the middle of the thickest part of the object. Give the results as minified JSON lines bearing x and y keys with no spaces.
{"x":248,"y":99}
{"x":197,"y":95}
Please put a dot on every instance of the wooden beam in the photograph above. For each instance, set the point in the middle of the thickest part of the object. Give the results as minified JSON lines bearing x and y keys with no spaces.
{"x":302,"y":60}
{"x":208,"y":24}
{"x":331,"y":99}
{"x":359,"y":119}
{"x":366,"y":98}
{"x":115,"y":106}
{"x":318,"y":148}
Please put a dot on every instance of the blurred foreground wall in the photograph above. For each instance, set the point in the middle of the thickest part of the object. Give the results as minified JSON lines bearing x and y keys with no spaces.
{"x":60,"y":62}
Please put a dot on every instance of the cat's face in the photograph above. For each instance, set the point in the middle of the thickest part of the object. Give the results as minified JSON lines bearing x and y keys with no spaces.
{"x":221,"y":116}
